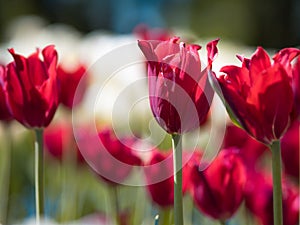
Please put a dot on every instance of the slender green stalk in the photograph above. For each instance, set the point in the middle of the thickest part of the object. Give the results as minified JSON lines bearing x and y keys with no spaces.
{"x":6,"y":176}
{"x":39,"y":174}
{"x":177,"y":162}
{"x":277,"y":189}
{"x":69,"y":194}
{"x":165,"y":216}
{"x":115,"y":208}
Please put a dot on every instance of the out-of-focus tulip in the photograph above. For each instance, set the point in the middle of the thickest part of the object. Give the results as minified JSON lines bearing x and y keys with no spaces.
{"x":290,"y":148}
{"x":145,"y":33}
{"x":59,"y":142}
{"x":259,"y":94}
{"x":250,"y":149}
{"x":5,"y":115}
{"x":179,"y":92}
{"x":218,"y":191}
{"x":259,"y":199}
{"x":69,"y":83}
{"x":111,"y":158}
{"x":160,"y":167}
{"x":32,"y":88}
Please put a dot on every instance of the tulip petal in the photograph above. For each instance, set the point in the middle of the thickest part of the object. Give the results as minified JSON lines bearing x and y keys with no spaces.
{"x":21,"y":68}
{"x":36,"y":69}
{"x":286,"y":56}
{"x":272,"y":94}
{"x":260,"y":61}
{"x":212,"y":51}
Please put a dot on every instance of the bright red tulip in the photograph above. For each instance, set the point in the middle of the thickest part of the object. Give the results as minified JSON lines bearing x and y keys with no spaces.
{"x":290,"y":148}
{"x":69,"y":83}
{"x":260,"y":94}
{"x":179,"y":92}
{"x":5,"y":115}
{"x":250,"y":149}
{"x":111,"y":158}
{"x":160,"y":167}
{"x":218,"y":191}
{"x":59,"y":140}
{"x":32,"y":87}
{"x":259,"y":199}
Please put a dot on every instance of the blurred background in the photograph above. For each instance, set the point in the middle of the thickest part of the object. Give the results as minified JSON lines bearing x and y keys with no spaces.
{"x":270,"y":23}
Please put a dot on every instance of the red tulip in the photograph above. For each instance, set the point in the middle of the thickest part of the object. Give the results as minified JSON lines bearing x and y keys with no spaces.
{"x":218,"y":191}
{"x":250,"y":149}
{"x":290,"y":148}
{"x":180,"y":94}
{"x":259,"y":199}
{"x":146,"y":33}
{"x":159,"y":175}
{"x":260,"y":94}
{"x":296,"y":85}
{"x":111,"y":158}
{"x":59,"y":140}
{"x":69,"y":81}
{"x":32,"y":88}
{"x":4,"y":110}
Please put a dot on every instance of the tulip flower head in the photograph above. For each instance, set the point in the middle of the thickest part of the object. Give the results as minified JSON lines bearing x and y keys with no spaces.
{"x":110,"y":157}
{"x":179,"y":92}
{"x":32,"y":88}
{"x":218,"y":191}
{"x":259,"y":95}
{"x":160,"y":167}
{"x":59,"y":142}
{"x":69,"y":83}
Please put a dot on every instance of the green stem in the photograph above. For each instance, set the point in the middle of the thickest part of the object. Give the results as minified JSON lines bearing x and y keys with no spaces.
{"x":39,"y":174}
{"x":177,"y":161}
{"x":165,"y":216}
{"x":277,"y":189}
{"x":69,"y":196}
{"x":6,"y":160}
{"x":115,"y":208}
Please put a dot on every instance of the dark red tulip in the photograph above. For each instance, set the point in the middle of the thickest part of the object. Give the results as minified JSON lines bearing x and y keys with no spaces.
{"x":259,"y":199}
{"x":32,"y":87}
{"x":260,"y":94}
{"x":60,"y":143}
{"x":179,"y":92}
{"x":146,"y":33}
{"x":5,"y":115}
{"x":290,"y":148}
{"x":250,"y":149}
{"x":69,"y":82}
{"x":218,"y":191}
{"x":159,"y":176}
{"x":111,"y":158}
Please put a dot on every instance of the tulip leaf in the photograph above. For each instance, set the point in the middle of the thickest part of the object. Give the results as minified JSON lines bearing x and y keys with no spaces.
{"x":215,"y":85}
